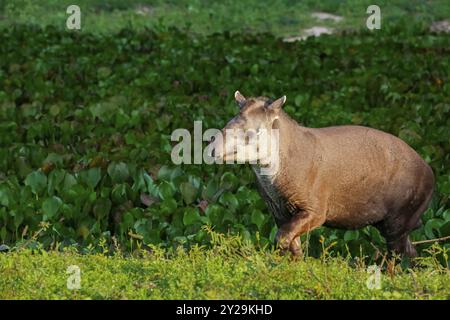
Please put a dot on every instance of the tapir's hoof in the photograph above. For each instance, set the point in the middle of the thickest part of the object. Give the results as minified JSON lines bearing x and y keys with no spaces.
{"x":296,"y":248}
{"x":282,"y":241}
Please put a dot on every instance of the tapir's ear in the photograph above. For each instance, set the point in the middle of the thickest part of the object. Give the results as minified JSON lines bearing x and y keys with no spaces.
{"x":240,"y":99}
{"x":277,"y":104}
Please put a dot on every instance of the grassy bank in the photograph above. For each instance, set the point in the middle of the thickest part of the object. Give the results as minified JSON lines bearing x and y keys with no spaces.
{"x":226,"y":271}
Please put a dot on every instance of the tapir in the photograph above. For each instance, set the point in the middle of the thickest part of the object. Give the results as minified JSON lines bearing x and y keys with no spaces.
{"x":344,"y":177}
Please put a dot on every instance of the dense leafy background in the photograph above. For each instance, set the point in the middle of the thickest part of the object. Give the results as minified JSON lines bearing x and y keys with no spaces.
{"x":85,"y":124}
{"x":279,"y":17}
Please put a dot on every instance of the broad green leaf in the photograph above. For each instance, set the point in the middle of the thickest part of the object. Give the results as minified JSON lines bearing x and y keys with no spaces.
{"x":91,"y":177}
{"x":102,"y":207}
{"x":432,"y":228}
{"x":69,"y":181}
{"x":191,"y":215}
{"x":55,"y":179}
{"x":168,"y":206}
{"x":6,"y":196}
{"x":258,"y":218}
{"x":351,"y":235}
{"x":189,"y":192}
{"x":118,"y":172}
{"x":229,"y":200}
{"x":37,"y":180}
{"x":50,"y":207}
{"x":210,"y":191}
{"x":228,"y":181}
{"x":119,"y":193}
{"x":165,"y":190}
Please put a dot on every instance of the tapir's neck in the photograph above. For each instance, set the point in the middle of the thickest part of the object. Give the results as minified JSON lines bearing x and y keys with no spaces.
{"x":292,"y":143}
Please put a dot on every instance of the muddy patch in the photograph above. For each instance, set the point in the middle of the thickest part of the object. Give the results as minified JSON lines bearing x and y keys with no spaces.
{"x":440,"y":26}
{"x":318,"y":30}
{"x":326,"y":16}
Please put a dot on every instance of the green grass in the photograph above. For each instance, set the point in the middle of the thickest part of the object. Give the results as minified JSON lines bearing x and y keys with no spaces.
{"x":280,"y":17}
{"x":230,"y":270}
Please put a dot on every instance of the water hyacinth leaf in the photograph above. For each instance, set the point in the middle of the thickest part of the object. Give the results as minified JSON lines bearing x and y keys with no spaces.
{"x":175,"y":173}
{"x":195,"y":181}
{"x":50,"y":207}
{"x":119,"y":193}
{"x":139,"y":184}
{"x":432,"y":228}
{"x":215,"y":214}
{"x":6,"y":196}
{"x":142,"y":227}
{"x":166,"y":190}
{"x":54,"y":158}
{"x":351,"y":235}
{"x":69,"y":181}
{"x":91,"y":177}
{"x":191,"y":216}
{"x":18,"y":217}
{"x":118,"y":172}
{"x":102,"y":207}
{"x":445,"y":229}
{"x":168,"y":206}
{"x":211,"y":190}
{"x":55,"y":178}
{"x":152,"y":188}
{"x":229,"y":200}
{"x":228,"y":181}
{"x":37,"y":180}
{"x":128,"y":220}
{"x":258,"y":218}
{"x":189,"y":192}
{"x":164,"y":173}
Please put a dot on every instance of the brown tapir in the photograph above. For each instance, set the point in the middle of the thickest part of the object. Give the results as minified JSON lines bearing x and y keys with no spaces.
{"x":342,"y":176}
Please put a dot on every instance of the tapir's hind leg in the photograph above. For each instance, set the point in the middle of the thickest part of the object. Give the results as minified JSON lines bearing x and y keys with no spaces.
{"x":397,"y":239}
{"x":403,"y":246}
{"x":396,"y":228}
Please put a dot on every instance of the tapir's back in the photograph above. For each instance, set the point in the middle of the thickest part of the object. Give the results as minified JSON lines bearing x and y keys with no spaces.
{"x":365,"y":173}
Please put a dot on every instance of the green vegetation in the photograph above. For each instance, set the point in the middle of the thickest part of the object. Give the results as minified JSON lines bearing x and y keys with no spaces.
{"x":86,"y":123}
{"x":231,"y":270}
{"x":279,"y":17}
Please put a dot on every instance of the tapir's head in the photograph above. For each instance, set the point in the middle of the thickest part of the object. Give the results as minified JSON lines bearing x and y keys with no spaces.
{"x":252,"y":133}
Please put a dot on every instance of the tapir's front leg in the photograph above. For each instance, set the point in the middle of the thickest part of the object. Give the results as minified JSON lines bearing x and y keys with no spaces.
{"x":300,"y":223}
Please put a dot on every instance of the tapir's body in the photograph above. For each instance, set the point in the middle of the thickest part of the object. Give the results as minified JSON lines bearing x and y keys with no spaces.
{"x":348,"y":177}
{"x":344,"y":176}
